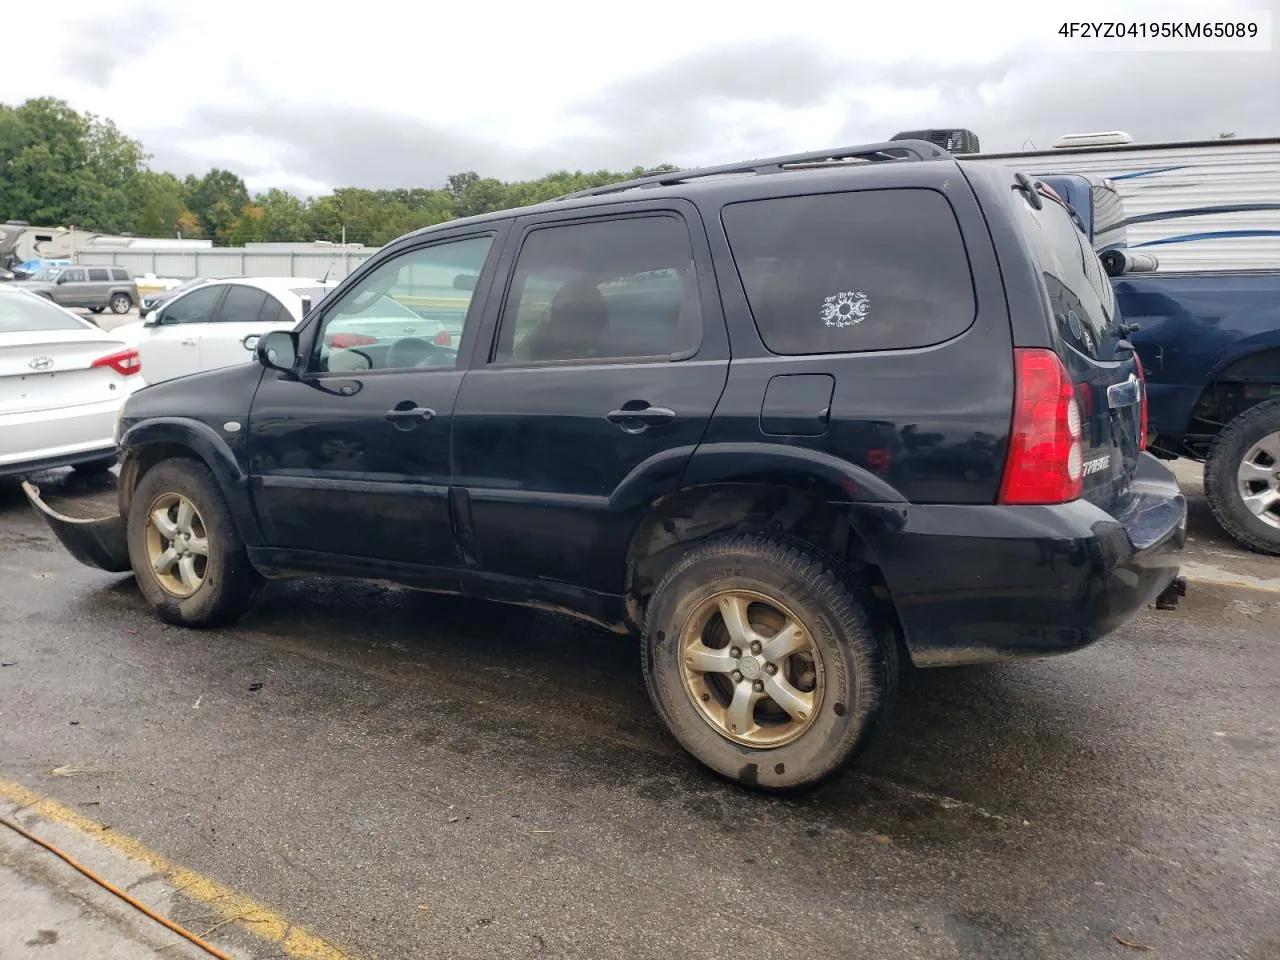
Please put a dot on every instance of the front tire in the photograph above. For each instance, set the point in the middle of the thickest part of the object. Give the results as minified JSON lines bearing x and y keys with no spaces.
{"x":186,"y":553}
{"x":1242,"y":478}
{"x":121,"y":303}
{"x":760,"y":656}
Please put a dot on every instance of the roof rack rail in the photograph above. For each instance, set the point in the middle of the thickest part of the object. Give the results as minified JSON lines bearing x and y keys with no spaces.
{"x":915,"y":150}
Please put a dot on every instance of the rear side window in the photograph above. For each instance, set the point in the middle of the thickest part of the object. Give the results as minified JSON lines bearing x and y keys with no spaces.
{"x":241,"y":304}
{"x":613,"y":289}
{"x":97,"y":275}
{"x":119,"y":273}
{"x":1080,"y":295}
{"x":851,"y":272}
{"x":273,"y":311}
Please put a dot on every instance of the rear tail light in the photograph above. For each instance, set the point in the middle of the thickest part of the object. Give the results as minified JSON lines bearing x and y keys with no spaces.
{"x":1046,"y":459}
{"x":1142,"y":399}
{"x":444,"y":339}
{"x":125,"y":363}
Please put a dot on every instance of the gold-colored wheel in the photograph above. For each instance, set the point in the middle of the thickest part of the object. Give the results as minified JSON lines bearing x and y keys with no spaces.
{"x":177,"y":544}
{"x":751,"y":668}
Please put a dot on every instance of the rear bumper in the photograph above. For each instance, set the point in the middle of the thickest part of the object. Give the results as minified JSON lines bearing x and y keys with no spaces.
{"x":975,"y":584}
{"x":97,"y":543}
{"x":30,"y":442}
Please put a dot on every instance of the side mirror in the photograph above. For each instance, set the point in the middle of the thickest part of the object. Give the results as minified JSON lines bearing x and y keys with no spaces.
{"x":278,"y":350}
{"x":60,"y":278}
{"x":465,"y":281}
{"x":152,"y":319}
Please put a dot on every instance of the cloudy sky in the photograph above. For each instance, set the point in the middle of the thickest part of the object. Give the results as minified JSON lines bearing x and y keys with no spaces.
{"x":385,"y":93}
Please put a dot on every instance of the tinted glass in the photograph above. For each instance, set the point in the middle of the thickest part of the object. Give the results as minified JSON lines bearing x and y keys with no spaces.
{"x":242,"y":304}
{"x":72,"y":276}
{"x":1083,"y":304}
{"x":119,"y":273}
{"x":273,"y":311}
{"x":194,"y":307}
{"x":851,"y":272}
{"x":20,"y":313}
{"x":378,"y":324}
{"x":611,"y":289}
{"x":98,"y":275}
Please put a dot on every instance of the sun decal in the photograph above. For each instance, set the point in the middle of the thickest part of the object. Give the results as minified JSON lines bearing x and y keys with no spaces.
{"x":845,"y":309}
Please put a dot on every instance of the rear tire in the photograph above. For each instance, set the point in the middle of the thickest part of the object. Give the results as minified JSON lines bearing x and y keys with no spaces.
{"x":186,"y":553}
{"x":1242,"y":478}
{"x":121,"y":303}
{"x":833,"y":690}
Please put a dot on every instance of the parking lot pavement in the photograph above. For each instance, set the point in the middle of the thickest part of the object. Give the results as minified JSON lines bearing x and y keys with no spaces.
{"x":407,"y":775}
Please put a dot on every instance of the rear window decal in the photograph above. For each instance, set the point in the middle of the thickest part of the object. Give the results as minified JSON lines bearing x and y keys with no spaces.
{"x":845,"y":309}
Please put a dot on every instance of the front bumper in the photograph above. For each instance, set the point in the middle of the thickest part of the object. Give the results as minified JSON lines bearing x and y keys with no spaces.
{"x":976,"y":584}
{"x":100,"y":543}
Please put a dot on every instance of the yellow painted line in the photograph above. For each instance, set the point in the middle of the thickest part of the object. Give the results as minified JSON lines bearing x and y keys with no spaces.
{"x":1260,"y":587}
{"x":230,"y":906}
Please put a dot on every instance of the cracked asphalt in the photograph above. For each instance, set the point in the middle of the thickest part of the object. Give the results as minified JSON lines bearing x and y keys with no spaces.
{"x":412,"y":776}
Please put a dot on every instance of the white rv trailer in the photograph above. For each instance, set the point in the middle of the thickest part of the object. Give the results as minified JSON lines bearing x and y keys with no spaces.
{"x":1198,"y":205}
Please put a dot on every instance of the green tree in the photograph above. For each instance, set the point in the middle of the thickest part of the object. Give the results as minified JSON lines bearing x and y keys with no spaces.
{"x":62,"y":167}
{"x":217,"y":199}
{"x":157,"y":204}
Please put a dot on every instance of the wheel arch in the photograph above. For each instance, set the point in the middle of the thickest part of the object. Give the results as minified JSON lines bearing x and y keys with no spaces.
{"x":692,"y":515}
{"x":1240,"y":384}
{"x":152,"y":442}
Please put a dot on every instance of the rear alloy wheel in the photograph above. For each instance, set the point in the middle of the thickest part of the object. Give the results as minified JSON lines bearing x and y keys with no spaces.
{"x":120,"y":303}
{"x":760,"y":657}
{"x":184,"y":547}
{"x":1242,"y":478}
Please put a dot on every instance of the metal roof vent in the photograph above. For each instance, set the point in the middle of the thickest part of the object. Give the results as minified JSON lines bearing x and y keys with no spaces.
{"x":1110,"y":138}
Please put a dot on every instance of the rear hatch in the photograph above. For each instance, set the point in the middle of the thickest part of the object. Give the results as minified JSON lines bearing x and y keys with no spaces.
{"x":1088,"y":338}
{"x":53,"y":370}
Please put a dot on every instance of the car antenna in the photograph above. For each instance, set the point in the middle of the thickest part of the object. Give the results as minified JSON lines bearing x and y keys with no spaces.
{"x":327,"y":271}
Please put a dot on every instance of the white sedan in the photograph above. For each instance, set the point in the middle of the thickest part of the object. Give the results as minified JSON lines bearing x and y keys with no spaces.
{"x":218,"y":323}
{"x":63,"y":382}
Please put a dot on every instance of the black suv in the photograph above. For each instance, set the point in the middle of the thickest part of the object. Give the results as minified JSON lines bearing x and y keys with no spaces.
{"x":781,"y":420}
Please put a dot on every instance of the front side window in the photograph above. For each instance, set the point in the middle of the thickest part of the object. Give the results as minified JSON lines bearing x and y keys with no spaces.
{"x":852,"y":272}
{"x":407,"y":313}
{"x":71,"y":276}
{"x":194,"y":307}
{"x":603,"y":290}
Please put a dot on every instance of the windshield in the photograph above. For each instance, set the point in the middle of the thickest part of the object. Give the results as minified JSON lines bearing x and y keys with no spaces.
{"x":22,"y":312}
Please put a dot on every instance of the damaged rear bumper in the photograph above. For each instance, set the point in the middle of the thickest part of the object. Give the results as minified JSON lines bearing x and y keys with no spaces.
{"x":100,"y":543}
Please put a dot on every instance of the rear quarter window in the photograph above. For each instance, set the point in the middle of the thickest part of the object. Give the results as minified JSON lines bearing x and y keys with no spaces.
{"x":852,"y":272}
{"x":119,"y":273}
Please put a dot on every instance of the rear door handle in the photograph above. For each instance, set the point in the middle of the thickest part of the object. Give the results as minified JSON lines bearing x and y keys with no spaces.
{"x":638,"y":419}
{"x":190,"y":341}
{"x":410,"y":413}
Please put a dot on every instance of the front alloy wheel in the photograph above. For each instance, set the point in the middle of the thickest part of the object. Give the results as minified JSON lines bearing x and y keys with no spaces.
{"x":177,"y":544}
{"x":751,"y":669}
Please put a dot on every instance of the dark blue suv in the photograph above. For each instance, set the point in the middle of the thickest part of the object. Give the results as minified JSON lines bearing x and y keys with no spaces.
{"x":782,"y":420}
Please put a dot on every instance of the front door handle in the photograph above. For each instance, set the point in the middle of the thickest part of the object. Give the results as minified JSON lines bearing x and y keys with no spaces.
{"x":402,"y":413}
{"x":190,"y":341}
{"x":250,"y":340}
{"x":637,"y":416}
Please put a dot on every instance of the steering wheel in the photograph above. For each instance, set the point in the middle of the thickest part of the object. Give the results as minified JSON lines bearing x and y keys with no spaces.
{"x":409,"y":352}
